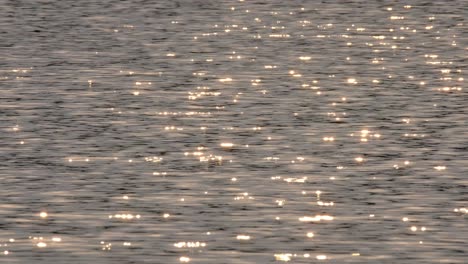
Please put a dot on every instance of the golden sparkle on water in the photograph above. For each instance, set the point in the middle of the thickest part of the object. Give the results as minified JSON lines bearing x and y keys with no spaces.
{"x":226,"y":145}
{"x":243,"y":237}
{"x":283,"y":257}
{"x":461,"y":210}
{"x":41,"y":245}
{"x":359,"y":159}
{"x":189,"y":244}
{"x":184,"y":259}
{"x":125,"y":216}
{"x":316,"y":218}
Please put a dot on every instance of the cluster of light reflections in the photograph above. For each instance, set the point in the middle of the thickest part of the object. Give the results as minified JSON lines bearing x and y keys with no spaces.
{"x":316,"y":218}
{"x":286,"y":257}
{"x":221,"y":94}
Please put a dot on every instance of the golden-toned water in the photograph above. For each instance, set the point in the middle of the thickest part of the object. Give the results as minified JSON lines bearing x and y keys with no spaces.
{"x":233,"y":132}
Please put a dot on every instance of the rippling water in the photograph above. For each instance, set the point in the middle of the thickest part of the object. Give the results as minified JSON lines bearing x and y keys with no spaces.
{"x":233,"y":131}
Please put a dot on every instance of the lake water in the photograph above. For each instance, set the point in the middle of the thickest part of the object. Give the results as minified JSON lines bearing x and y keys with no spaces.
{"x":233,"y":131}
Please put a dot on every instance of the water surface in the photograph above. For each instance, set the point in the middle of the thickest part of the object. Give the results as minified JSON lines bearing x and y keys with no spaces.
{"x":233,"y":131}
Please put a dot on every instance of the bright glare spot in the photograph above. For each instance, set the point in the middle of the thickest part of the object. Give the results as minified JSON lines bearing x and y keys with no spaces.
{"x":184,"y":259}
{"x":227,"y":145}
{"x":283,"y":257}
{"x":321,"y":257}
{"x":56,"y":239}
{"x":413,"y":228}
{"x":166,"y":215}
{"x":225,"y":80}
{"x":41,"y":244}
{"x":310,"y":234}
{"x":43,"y":214}
{"x":359,"y":159}
{"x":189,"y":244}
{"x":242,"y":237}
{"x":316,"y":218}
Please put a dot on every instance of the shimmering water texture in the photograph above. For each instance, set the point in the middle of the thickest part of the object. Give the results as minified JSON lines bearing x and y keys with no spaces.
{"x":233,"y":132}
